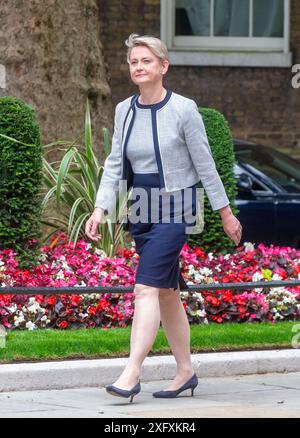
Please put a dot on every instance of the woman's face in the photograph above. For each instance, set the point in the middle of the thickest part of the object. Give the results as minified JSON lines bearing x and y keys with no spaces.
{"x":145,"y":67}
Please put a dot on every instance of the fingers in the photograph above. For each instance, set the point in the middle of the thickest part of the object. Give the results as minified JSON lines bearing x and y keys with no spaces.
{"x":91,"y":230}
{"x":238,"y":235}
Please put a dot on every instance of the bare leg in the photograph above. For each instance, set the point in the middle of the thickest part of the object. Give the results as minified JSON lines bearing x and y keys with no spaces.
{"x":177,"y":329}
{"x":145,"y":324}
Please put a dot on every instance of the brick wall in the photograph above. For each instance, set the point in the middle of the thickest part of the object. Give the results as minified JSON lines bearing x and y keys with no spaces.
{"x":259,"y":103}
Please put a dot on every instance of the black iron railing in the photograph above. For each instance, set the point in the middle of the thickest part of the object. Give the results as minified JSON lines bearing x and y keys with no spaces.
{"x":80,"y":290}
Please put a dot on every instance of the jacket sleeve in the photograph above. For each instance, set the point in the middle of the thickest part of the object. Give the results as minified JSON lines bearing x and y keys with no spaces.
{"x":200,"y":151}
{"x":109,"y":185}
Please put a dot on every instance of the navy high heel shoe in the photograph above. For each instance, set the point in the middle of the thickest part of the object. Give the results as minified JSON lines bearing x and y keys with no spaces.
{"x":114,"y":390}
{"x":190,"y":384}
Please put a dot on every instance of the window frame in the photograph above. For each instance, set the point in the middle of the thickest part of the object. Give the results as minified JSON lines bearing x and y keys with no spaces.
{"x":234,"y":51}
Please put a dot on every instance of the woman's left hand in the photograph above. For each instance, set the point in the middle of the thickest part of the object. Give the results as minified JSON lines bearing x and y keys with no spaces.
{"x":232,"y":227}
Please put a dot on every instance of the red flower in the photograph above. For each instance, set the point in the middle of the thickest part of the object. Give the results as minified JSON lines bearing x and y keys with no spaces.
{"x":227,"y":296}
{"x":239,"y":300}
{"x":102,"y":305}
{"x":218,"y":319}
{"x":75,"y":299}
{"x":213,"y":301}
{"x":51,"y":300}
{"x":200,"y":253}
{"x":63,"y":325}
{"x":92,"y":310}
{"x":248,"y":256}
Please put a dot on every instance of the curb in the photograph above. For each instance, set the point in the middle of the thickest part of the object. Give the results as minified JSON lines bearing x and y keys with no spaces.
{"x":100,"y":372}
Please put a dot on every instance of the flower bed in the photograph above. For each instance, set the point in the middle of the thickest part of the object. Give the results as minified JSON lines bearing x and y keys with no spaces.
{"x":81,"y":265}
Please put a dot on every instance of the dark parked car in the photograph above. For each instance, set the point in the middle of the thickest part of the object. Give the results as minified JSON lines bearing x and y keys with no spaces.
{"x":268,"y":194}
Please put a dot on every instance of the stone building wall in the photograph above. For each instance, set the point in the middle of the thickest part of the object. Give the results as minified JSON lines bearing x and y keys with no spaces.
{"x":259,"y":103}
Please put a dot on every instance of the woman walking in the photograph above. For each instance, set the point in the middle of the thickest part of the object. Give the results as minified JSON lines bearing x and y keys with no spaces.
{"x":159,"y":143}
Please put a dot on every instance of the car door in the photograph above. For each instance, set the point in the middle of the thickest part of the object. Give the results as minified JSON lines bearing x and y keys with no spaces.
{"x":256,"y":206}
{"x":287,"y":211}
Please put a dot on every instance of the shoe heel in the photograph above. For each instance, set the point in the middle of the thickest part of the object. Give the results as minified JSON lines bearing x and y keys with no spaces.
{"x":192,"y":390}
{"x":131,"y":397}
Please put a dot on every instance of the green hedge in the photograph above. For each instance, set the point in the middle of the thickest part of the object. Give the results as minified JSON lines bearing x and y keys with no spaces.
{"x":21,"y":178}
{"x":213,"y":237}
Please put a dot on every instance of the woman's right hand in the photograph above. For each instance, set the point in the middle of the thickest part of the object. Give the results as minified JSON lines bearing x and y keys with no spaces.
{"x":92,"y":224}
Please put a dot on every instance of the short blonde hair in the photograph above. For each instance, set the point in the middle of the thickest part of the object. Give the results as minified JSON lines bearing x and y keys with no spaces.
{"x":154,"y":44}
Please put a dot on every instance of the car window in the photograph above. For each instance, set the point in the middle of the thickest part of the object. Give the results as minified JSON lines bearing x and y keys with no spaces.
{"x":256,"y":185}
{"x":284,"y":170}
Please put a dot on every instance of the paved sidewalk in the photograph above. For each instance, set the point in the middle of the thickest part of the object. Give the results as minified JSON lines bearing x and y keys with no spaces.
{"x":90,"y":373}
{"x":256,"y":396}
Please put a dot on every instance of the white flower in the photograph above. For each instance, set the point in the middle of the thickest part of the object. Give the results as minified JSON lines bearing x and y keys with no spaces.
{"x":82,"y":284}
{"x":248,"y":246}
{"x":100,"y":253}
{"x":34,"y":308}
{"x":257,"y":276}
{"x":60,"y":275}
{"x":205,"y":271}
{"x":30,"y":325}
{"x":226,"y":256}
{"x":19,"y":319}
{"x":42,"y":257}
{"x":276,"y":277}
{"x":13,"y":308}
{"x":198,"y":278}
{"x":199,"y":296}
{"x":210,"y":255}
{"x":1,"y":263}
{"x":44,"y":318}
{"x":66,"y":267}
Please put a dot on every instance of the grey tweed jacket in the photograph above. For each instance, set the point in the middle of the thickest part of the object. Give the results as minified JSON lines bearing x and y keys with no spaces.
{"x":181,"y":147}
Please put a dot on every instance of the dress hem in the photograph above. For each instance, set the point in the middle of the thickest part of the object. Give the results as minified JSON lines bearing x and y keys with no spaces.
{"x":148,"y":281}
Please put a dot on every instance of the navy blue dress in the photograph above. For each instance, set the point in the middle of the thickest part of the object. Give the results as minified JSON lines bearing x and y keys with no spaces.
{"x":159,"y":243}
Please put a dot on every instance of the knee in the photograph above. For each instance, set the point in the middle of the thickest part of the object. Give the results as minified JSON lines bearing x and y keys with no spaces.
{"x":168,"y":294}
{"x":142,"y":290}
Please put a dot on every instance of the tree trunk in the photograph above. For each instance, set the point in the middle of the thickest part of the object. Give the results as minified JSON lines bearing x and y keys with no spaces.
{"x":52,"y":55}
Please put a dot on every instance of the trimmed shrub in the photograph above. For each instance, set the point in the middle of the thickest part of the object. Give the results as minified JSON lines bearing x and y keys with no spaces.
{"x":20,"y":178}
{"x":213,"y":237}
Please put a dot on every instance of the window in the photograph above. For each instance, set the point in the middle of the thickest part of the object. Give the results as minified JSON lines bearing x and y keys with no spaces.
{"x":227,"y":32}
{"x":282,"y":169}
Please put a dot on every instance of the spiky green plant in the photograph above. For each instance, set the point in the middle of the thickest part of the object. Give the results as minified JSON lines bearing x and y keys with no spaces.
{"x":73,"y":188}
